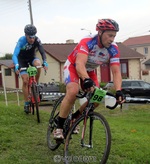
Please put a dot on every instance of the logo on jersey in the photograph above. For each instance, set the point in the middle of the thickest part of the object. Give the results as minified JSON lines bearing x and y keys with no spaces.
{"x":101,"y":54}
{"x":27,"y":47}
{"x":82,"y":48}
{"x":112,"y":51}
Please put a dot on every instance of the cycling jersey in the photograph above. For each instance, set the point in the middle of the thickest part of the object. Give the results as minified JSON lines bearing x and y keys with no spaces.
{"x":96,"y":55}
{"x":24,"y":50}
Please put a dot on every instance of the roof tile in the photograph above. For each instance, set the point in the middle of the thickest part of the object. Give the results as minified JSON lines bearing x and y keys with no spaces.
{"x":61,"y":51}
{"x":139,"y":40}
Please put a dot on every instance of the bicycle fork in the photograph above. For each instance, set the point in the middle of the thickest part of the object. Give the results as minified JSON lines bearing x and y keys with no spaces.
{"x":90,"y":132}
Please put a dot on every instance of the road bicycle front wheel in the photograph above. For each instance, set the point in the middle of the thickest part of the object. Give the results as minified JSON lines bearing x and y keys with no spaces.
{"x":92,"y":144}
{"x":34,"y":102}
{"x":51,"y":142}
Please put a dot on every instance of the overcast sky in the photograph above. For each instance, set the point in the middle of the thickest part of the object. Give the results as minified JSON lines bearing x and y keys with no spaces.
{"x":60,"y":20}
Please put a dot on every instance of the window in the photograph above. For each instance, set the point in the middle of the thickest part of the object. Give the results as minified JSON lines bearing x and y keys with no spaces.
{"x":124,"y":68}
{"x":135,"y":84}
{"x":145,"y":50}
{"x":8,"y":72}
{"x":145,"y":85}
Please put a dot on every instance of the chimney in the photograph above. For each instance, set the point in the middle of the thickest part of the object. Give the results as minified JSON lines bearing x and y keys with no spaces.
{"x":70,"y":41}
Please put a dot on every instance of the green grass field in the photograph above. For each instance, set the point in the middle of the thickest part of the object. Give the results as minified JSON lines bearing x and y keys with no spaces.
{"x":23,"y":140}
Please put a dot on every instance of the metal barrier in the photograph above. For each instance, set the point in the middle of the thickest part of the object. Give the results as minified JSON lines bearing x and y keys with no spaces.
{"x":50,"y":96}
{"x":11,"y":91}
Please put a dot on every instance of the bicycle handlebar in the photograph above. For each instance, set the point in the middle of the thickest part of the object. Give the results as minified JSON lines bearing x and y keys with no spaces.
{"x":84,"y":94}
{"x":40,"y":66}
{"x":115,"y":105}
{"x":25,"y":68}
{"x":81,"y":94}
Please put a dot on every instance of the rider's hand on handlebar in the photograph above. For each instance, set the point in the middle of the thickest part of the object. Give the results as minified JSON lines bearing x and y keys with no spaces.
{"x":88,"y":84}
{"x":45,"y":65}
{"x":17,"y":69}
{"x":120,"y":97}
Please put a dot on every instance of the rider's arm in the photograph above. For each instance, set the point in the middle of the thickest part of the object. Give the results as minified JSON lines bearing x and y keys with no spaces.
{"x":115,"y":66}
{"x":117,"y":79}
{"x":17,"y":51}
{"x":41,"y":49}
{"x":81,"y":60}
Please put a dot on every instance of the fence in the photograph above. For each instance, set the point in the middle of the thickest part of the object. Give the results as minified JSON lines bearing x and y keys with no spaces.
{"x":3,"y":82}
{"x":12,"y":91}
{"x":4,"y":89}
{"x":48,"y":91}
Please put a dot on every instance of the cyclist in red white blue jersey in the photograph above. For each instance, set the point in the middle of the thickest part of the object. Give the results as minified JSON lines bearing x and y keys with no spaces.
{"x":90,"y":53}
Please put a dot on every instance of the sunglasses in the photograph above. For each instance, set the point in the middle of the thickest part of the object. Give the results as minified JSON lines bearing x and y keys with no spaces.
{"x":32,"y":37}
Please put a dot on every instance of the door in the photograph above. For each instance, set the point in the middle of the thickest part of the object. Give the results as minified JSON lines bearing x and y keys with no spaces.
{"x":0,"y":77}
{"x":105,"y":73}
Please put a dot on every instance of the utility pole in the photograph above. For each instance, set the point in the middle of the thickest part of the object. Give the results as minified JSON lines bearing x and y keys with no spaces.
{"x":30,"y":10}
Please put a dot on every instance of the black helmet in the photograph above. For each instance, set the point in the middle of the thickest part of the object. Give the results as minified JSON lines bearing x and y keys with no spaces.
{"x":30,"y":30}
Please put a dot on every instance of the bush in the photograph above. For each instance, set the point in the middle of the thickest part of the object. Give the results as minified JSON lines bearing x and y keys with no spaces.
{"x":102,"y":84}
{"x":62,"y":87}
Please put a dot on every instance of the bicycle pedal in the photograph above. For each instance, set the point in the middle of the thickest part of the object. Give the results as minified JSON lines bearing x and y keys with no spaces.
{"x":60,"y":141}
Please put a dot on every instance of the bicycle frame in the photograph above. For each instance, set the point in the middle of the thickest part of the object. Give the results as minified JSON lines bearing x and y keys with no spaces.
{"x":31,"y":81}
{"x":89,"y":108}
{"x":33,"y":93}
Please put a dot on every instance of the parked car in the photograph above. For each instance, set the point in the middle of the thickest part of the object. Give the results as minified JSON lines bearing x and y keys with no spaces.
{"x":132,"y":88}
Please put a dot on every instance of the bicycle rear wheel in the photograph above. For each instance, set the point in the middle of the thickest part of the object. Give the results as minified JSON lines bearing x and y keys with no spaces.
{"x":32,"y":108}
{"x":51,"y":142}
{"x":35,"y":102}
{"x":95,"y":145}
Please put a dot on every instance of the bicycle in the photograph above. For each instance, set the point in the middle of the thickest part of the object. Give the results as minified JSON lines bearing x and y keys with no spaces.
{"x":33,"y":90}
{"x":98,"y":128}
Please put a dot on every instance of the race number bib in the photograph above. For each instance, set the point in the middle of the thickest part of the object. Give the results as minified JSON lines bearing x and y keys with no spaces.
{"x":98,"y":95}
{"x":32,"y":71}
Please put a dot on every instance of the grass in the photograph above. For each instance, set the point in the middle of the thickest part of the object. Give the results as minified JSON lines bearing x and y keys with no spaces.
{"x":23,"y":140}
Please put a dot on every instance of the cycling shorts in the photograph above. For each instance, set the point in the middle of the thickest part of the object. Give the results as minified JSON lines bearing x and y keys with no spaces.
{"x":70,"y":74}
{"x":25,"y":62}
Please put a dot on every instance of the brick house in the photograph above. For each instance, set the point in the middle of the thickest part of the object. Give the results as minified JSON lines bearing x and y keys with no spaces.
{"x":141,"y":44}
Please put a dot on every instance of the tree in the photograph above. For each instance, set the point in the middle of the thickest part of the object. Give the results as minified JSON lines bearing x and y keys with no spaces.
{"x":7,"y":56}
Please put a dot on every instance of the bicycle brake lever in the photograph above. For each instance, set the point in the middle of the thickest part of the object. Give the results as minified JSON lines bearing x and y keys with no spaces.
{"x":45,"y":71}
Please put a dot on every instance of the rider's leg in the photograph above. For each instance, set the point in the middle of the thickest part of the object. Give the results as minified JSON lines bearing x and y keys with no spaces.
{"x":93,"y":76}
{"x":37,"y":62}
{"x":25,"y":80}
{"x":72,"y":89}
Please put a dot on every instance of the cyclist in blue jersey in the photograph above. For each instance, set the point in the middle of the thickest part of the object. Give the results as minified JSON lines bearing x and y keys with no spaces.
{"x":24,"y":53}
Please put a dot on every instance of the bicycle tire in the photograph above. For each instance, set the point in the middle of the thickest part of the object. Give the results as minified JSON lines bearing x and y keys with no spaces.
{"x":95,"y":152}
{"x":51,"y":142}
{"x":35,"y":103}
{"x":31,"y":107}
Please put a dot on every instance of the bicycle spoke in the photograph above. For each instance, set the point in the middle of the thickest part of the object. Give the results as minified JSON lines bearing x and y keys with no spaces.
{"x":94,"y":147}
{"x":51,"y":142}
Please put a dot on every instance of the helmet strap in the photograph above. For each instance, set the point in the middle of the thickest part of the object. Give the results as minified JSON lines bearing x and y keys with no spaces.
{"x":100,"y":39}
